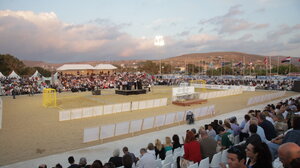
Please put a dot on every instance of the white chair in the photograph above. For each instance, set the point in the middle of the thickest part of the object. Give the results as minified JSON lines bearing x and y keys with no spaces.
{"x":169,"y":152}
{"x":224,"y":156}
{"x":236,"y":139}
{"x":167,"y":165}
{"x":177,"y":150}
{"x":195,"y":165}
{"x":216,"y":160}
{"x":168,"y":159}
{"x":204,"y":163}
{"x":241,"y":143}
{"x":158,"y":163}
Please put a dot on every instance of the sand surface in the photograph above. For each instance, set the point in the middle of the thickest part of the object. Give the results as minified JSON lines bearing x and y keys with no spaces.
{"x":30,"y":131}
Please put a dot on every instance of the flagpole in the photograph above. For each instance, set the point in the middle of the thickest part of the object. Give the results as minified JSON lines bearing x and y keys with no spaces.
{"x":278,"y":65}
{"x":270,"y":65}
{"x":290,"y":65}
{"x":244,"y":60}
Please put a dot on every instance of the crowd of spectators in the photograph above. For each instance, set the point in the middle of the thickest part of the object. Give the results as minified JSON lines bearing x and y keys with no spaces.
{"x":269,"y":137}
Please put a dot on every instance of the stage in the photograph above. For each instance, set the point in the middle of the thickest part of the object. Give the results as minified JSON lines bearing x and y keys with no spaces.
{"x":131,"y":92}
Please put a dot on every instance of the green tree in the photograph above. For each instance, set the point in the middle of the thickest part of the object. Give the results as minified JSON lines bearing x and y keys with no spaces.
{"x":149,"y":67}
{"x":8,"y":63}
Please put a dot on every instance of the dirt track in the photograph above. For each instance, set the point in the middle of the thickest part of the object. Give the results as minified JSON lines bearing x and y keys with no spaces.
{"x":29,"y":130}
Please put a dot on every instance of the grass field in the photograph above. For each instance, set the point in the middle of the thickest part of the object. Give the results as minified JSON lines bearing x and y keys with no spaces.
{"x":29,"y":130}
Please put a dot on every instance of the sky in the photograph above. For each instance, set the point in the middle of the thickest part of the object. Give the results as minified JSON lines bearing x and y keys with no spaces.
{"x":59,"y":31}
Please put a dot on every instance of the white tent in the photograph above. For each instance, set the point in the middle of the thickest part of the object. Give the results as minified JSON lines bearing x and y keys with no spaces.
{"x":75,"y":67}
{"x":13,"y":75}
{"x":36,"y":74}
{"x":2,"y":76}
{"x":105,"y":66}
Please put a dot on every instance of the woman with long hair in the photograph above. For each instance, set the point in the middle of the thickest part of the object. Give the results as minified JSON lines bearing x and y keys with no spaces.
{"x":160,"y":150}
{"x":259,"y":155}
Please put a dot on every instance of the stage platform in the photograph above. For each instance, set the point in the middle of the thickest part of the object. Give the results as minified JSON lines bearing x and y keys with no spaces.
{"x":131,"y":92}
{"x":189,"y":102}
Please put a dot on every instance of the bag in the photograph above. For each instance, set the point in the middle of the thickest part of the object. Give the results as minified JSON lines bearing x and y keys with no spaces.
{"x":185,"y":163}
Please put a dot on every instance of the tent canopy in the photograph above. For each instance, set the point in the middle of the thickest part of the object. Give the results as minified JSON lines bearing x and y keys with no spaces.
{"x":66,"y":67}
{"x":2,"y":76}
{"x":104,"y":66}
{"x":13,"y":74}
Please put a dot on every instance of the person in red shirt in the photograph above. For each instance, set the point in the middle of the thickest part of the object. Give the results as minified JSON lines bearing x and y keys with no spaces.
{"x":192,"y":151}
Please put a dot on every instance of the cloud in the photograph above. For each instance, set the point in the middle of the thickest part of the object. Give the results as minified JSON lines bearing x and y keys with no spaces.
{"x":295,"y":39}
{"x":283,"y":30}
{"x":231,"y":22}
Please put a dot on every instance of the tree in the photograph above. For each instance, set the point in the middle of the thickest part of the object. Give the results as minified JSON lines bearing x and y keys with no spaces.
{"x":149,"y":67}
{"x":9,"y":63}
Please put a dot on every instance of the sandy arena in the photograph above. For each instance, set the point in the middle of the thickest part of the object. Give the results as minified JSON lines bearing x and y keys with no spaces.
{"x":31,"y":131}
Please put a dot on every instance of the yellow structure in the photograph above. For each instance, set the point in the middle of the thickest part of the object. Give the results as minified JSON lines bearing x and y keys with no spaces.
{"x":49,"y":97}
{"x":202,"y":82}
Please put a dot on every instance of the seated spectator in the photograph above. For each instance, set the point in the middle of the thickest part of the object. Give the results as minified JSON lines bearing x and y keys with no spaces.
{"x":192,"y":149}
{"x":125,"y":151}
{"x":259,"y":155}
{"x":160,"y":151}
{"x":260,"y":131}
{"x":210,"y":131}
{"x":43,"y":166}
{"x":234,"y":126}
{"x":82,"y":162}
{"x":168,"y":145}
{"x":267,"y":126}
{"x":245,"y":128}
{"x":116,"y":159}
{"x":288,"y":152}
{"x":147,"y":159}
{"x":58,"y":165}
{"x":127,"y":161}
{"x":97,"y":164}
{"x":176,"y":143}
{"x":227,"y":127}
{"x":225,"y":141}
{"x":71,"y":160}
{"x":254,"y":137}
{"x":208,"y":145}
{"x":295,"y":163}
{"x":236,"y":157}
{"x":109,"y":165}
{"x":293,"y":135}
{"x":151,"y":149}
{"x":280,"y":125}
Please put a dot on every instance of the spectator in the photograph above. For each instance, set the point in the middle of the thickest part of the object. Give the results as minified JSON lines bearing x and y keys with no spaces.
{"x":82,"y":162}
{"x":127,"y":161}
{"x":254,"y":137}
{"x":109,"y":165}
{"x":151,"y":149}
{"x":116,"y":159}
{"x":71,"y":160}
{"x":160,"y":151}
{"x":43,"y":166}
{"x":293,"y":135}
{"x":287,"y":152}
{"x":58,"y":165}
{"x":236,"y":157}
{"x":147,"y":160}
{"x":97,"y":164}
{"x":225,"y":142}
{"x":259,"y":155}
{"x":267,"y":126}
{"x":280,"y":125}
{"x":208,"y":145}
{"x":168,"y":145}
{"x":176,"y":143}
{"x":125,"y":151}
{"x":210,"y":131}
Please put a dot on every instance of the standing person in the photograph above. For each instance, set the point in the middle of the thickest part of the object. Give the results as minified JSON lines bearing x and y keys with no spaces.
{"x":236,"y":157}
{"x":259,"y":155}
{"x":13,"y":92}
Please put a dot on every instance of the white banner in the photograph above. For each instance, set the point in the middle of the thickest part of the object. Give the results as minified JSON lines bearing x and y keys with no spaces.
{"x":90,"y":134}
{"x":64,"y":115}
{"x":136,"y":125}
{"x":122,"y":128}
{"x":148,"y":123}
{"x":107,"y":131}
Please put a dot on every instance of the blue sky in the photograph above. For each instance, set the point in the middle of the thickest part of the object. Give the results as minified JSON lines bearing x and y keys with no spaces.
{"x":85,"y":30}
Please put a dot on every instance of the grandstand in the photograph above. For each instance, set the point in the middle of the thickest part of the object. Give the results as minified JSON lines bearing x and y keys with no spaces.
{"x":29,"y":128}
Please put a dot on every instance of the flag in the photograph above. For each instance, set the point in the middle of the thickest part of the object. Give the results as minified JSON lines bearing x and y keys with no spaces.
{"x":238,"y":64}
{"x":287,"y":59}
{"x":266,"y":60}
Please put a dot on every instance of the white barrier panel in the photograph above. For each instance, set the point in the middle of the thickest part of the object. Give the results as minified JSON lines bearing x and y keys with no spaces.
{"x":163,"y":101}
{"x":211,"y":109}
{"x":64,"y":115}
{"x":180,"y":116}
{"x":149,"y":103}
{"x":183,"y":90}
{"x":170,"y":118}
{"x":148,"y":123}
{"x":135,"y":105}
{"x":122,"y":128}
{"x":1,"y":111}
{"x":87,"y":112}
{"x":117,"y":108}
{"x":135,"y":126}
{"x":90,"y":134}
{"x":98,"y":110}
{"x":197,"y":112}
{"x":159,"y":120}
{"x":107,"y":131}
{"x":126,"y":106}
{"x":202,"y":112}
{"x":107,"y":109}
{"x":76,"y":114}
{"x":142,"y":104}
{"x":157,"y":102}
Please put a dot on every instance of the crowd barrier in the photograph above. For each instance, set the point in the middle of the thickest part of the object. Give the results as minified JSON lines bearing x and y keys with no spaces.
{"x":1,"y":111}
{"x":224,"y":87}
{"x":130,"y":127}
{"x":216,"y":94}
{"x":79,"y":113}
{"x":259,"y":99}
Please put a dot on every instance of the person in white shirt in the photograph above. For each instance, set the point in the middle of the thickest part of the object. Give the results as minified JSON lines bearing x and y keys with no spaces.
{"x":147,"y":160}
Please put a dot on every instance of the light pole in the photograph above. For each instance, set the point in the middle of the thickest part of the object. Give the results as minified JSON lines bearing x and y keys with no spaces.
{"x":159,"y":41}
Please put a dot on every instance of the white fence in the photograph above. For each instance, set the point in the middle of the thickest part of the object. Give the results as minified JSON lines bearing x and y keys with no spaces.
{"x":259,"y":99}
{"x":216,"y":94}
{"x":127,"y":127}
{"x":1,"y":111}
{"x":79,"y":113}
{"x":224,"y":87}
